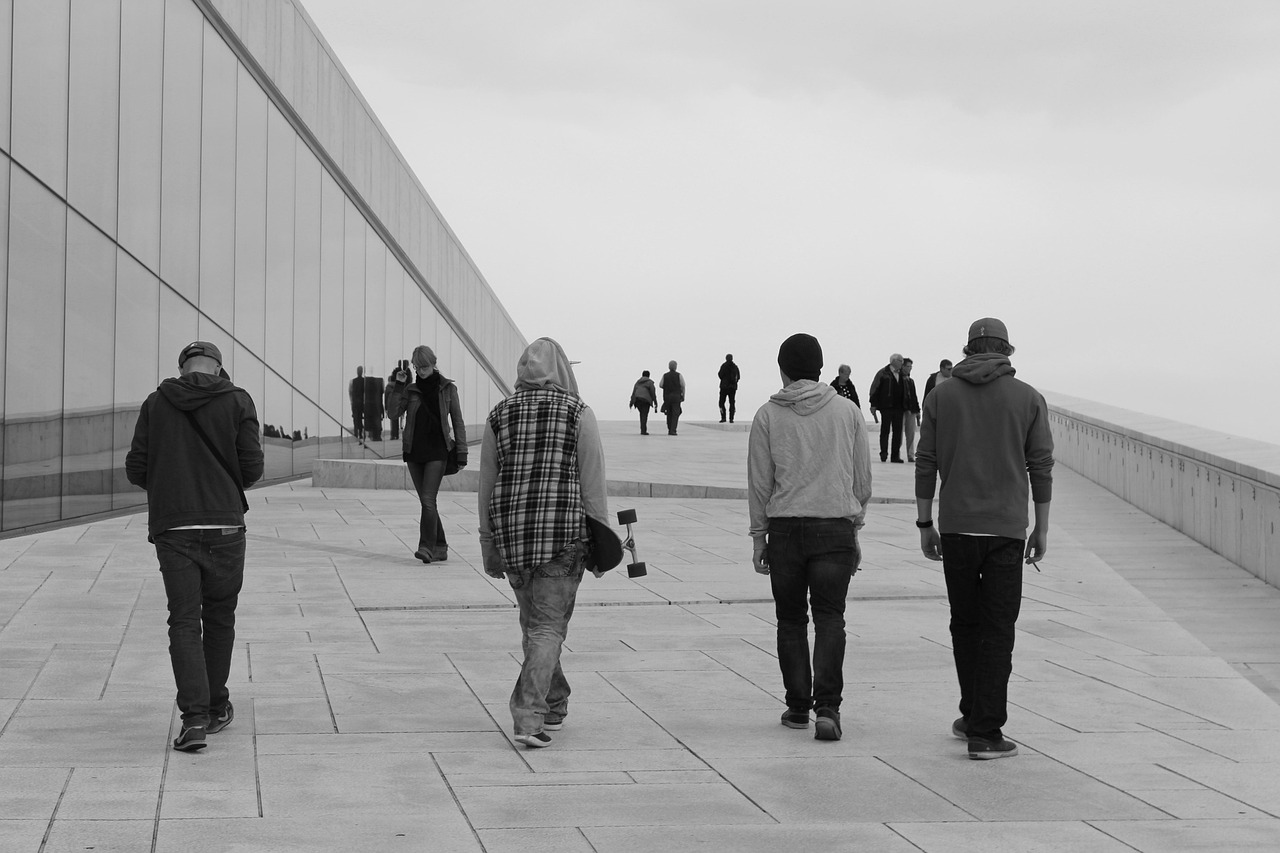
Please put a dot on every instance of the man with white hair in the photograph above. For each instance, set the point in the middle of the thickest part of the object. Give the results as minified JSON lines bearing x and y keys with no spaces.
{"x":886,"y":395}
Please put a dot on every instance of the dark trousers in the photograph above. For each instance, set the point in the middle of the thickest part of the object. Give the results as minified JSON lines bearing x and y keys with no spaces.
{"x":395,"y":428}
{"x":357,"y":421}
{"x":644,"y":416}
{"x":673,"y":415}
{"x":730,"y":394}
{"x":203,"y":571}
{"x":372,"y":424}
{"x":984,"y":586}
{"x":891,"y":421}
{"x":426,"y":478}
{"x":810,"y":562}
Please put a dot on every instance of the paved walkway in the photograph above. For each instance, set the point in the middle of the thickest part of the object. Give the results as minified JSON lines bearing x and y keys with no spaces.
{"x":371,"y":691}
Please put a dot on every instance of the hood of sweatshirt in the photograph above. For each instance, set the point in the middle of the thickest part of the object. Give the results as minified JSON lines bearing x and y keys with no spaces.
{"x":983,"y":368}
{"x":544,"y":365}
{"x":805,"y":396}
{"x":190,"y":392}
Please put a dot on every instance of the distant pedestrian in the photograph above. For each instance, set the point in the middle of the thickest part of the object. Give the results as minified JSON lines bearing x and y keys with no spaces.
{"x":808,"y":483}
{"x":843,"y":385}
{"x":541,"y":476}
{"x":942,"y":374}
{"x":355,"y":390}
{"x":729,"y":376}
{"x":644,"y":396}
{"x":910,"y":410}
{"x":397,"y":384}
{"x":672,"y":397}
{"x":373,"y":408}
{"x":886,"y":397}
{"x":986,"y":434}
{"x":195,"y":449}
{"x":435,"y":440}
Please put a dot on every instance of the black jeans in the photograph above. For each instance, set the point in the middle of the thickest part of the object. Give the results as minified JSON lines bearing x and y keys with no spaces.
{"x":730,"y":394}
{"x":891,"y":422}
{"x":813,"y":559}
{"x":426,"y":478}
{"x":673,"y":415}
{"x":644,"y":416}
{"x":203,"y":571}
{"x":984,"y":586}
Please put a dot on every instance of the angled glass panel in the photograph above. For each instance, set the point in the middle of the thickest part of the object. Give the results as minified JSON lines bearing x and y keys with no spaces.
{"x":306,"y":273}
{"x":137,"y":330}
{"x":353,"y":355}
{"x":88,"y":413}
{"x":251,"y":214}
{"x":179,"y":326}
{"x":393,"y":334}
{"x":332,"y":359}
{"x":412,"y":315}
{"x":376,"y":367}
{"x":34,"y":354}
{"x":40,"y":53}
{"x":6,"y":69}
{"x":141,"y":101}
{"x":218,"y":180}
{"x":251,"y":376}
{"x":180,"y":147}
{"x":281,"y":147}
{"x":275,"y":412}
{"x":94,"y":116}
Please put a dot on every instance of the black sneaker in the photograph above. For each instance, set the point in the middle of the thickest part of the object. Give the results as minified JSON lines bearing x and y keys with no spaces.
{"x":424,"y":555}
{"x":537,"y":741}
{"x":981,"y":748}
{"x":795,"y":719}
{"x":960,"y":729}
{"x":191,"y":739}
{"x":220,"y":720}
{"x":827,"y":725}
{"x":553,"y":724}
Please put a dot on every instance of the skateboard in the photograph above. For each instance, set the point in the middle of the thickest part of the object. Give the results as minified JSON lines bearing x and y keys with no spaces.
{"x":607,"y":547}
{"x":635,"y":569}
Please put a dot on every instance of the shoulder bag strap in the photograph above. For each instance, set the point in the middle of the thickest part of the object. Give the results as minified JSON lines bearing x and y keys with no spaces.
{"x":216,"y":455}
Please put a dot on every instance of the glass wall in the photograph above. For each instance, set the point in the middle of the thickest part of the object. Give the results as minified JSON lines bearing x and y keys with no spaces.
{"x":152,"y":193}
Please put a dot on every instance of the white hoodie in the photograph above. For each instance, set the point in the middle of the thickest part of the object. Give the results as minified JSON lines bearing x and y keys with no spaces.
{"x":809,"y":457}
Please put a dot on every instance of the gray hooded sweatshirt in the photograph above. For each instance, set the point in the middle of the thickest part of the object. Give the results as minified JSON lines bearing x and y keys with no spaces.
{"x":808,"y":457}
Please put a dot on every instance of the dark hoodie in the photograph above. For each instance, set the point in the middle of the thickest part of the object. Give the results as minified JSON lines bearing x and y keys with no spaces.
{"x":185,"y":484}
{"x":987,"y":436}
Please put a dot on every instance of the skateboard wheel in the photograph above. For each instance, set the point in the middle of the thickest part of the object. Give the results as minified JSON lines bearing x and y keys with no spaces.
{"x":627,"y":516}
{"x":636,"y":570}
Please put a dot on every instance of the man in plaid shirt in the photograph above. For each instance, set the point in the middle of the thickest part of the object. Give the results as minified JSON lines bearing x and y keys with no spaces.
{"x":541,"y":475}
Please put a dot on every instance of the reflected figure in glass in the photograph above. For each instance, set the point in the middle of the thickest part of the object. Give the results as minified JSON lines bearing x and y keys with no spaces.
{"x":355,"y":390}
{"x":434,"y":445}
{"x":397,"y":384}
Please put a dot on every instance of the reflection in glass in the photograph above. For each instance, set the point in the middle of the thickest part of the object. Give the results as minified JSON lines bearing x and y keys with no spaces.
{"x":306,"y":275}
{"x":88,"y":416}
{"x":180,"y":188}
{"x":251,"y":376}
{"x":141,"y":65}
{"x":353,"y":297}
{"x":218,"y":180}
{"x":137,"y":324}
{"x":275,"y":413}
{"x":40,"y":89}
{"x":33,"y":386}
{"x":281,"y":144}
{"x":375,"y":301}
{"x":306,"y":437}
{"x":333,"y":366}
{"x":93,"y":118}
{"x":251,"y":213}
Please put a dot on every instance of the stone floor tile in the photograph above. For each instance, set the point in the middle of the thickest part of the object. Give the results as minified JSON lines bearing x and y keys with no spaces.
{"x":1062,"y":836}
{"x":1200,"y":836}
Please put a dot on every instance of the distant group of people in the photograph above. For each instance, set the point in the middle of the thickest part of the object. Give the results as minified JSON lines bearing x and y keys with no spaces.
{"x":542,"y":484}
{"x":644,"y":395}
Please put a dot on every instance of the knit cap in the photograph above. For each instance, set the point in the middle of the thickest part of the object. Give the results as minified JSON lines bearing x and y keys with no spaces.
{"x":800,"y":357}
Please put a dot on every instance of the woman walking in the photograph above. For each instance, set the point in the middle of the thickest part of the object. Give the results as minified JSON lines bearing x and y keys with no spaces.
{"x":433,"y":431}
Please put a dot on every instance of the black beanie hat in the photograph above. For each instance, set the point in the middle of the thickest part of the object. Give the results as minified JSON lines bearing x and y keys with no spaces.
{"x":800,"y":357}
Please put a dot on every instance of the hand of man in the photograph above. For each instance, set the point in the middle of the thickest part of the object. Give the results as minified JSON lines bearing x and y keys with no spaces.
{"x":494,"y":565}
{"x":931,"y":543}
{"x":760,"y":559}
{"x":462,"y":461}
{"x":857,"y":555}
{"x":1037,"y":544}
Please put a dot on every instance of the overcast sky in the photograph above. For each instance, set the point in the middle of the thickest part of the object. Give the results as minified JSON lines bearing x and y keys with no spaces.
{"x":677,"y":179}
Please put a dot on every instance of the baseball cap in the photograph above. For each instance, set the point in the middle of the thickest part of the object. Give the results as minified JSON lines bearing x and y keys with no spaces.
{"x":988,"y":327}
{"x":196,"y":348}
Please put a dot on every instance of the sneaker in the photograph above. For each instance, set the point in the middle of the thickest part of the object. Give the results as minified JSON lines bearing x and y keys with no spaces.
{"x":981,"y":748}
{"x":439,"y":555}
{"x":795,"y":719}
{"x":191,"y":739}
{"x":537,"y":741}
{"x":960,"y":729}
{"x":828,"y":724}
{"x":424,"y":555}
{"x":219,"y":721}
{"x":553,"y":724}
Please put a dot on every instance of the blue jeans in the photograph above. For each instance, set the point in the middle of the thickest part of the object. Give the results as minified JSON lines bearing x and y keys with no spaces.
{"x":203,"y":571}
{"x":984,"y":586}
{"x":426,"y":478}
{"x":546,"y":597}
{"x":810,"y":562}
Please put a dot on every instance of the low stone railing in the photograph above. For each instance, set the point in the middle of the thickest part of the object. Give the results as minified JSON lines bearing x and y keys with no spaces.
{"x":1221,"y":490}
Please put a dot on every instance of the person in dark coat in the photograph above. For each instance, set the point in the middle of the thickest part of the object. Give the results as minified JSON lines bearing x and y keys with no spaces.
{"x":844,"y":385}
{"x":644,"y":396}
{"x":729,"y":376}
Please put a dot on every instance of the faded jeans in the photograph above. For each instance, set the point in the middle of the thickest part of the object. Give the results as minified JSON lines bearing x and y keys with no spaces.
{"x":984,"y":586}
{"x":203,"y":571}
{"x":811,"y":561}
{"x":426,"y":477}
{"x":546,"y":597}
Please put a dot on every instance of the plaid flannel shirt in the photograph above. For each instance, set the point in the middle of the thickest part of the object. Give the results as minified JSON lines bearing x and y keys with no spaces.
{"x":536,"y":508}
